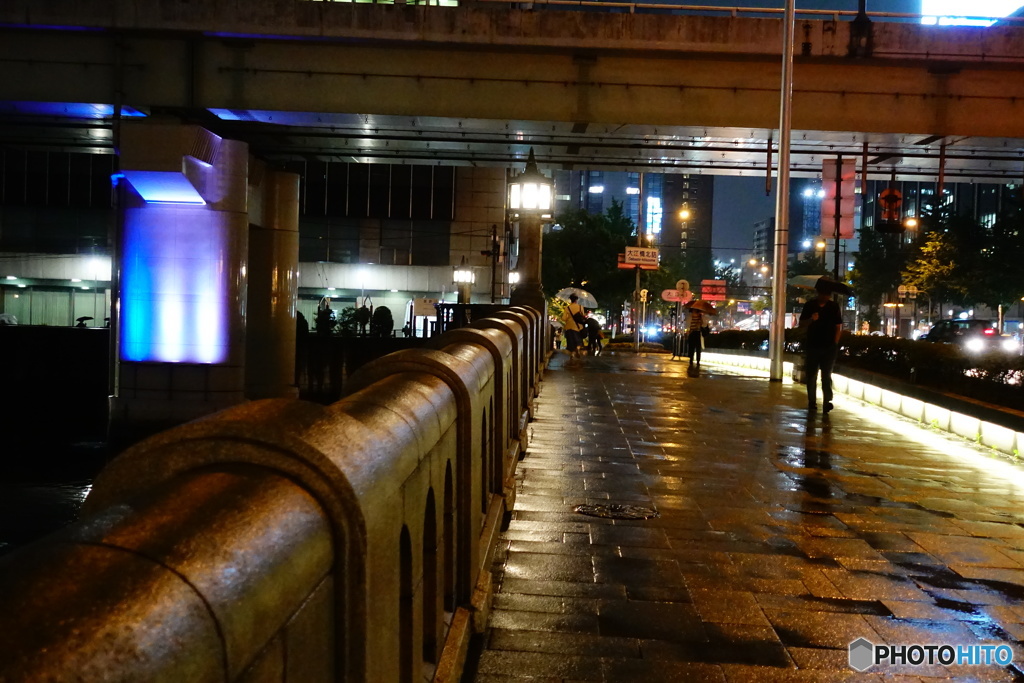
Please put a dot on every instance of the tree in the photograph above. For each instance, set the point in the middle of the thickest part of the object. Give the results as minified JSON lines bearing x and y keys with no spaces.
{"x":362,"y":318}
{"x":959,"y":260}
{"x":878,"y":270}
{"x":727,"y":272}
{"x":381,"y":322}
{"x":347,"y":321}
{"x":999,"y":279}
{"x":933,"y":268}
{"x":582,"y":250}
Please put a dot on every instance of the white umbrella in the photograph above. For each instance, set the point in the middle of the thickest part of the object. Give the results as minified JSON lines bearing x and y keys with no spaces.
{"x":586,"y":299}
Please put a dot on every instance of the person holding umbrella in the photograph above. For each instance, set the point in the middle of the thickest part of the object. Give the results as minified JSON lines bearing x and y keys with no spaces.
{"x":574,"y":320}
{"x":696,"y":329}
{"x":823,"y":322}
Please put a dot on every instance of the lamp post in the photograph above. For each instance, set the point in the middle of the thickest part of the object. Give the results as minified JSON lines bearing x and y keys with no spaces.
{"x":819,"y":247}
{"x":463,"y":277}
{"x":513,"y":280}
{"x":529,"y":201}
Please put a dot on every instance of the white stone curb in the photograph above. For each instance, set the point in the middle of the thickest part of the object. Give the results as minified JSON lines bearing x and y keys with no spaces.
{"x":997,"y":437}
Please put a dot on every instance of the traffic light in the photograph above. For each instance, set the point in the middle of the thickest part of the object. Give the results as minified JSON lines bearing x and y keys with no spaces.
{"x":891,"y":200}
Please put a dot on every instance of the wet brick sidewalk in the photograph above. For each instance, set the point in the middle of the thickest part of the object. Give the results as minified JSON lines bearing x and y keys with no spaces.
{"x":781,"y":537}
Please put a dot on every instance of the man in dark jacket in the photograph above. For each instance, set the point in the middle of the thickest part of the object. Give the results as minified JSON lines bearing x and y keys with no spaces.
{"x":824,"y":323}
{"x":594,"y":336}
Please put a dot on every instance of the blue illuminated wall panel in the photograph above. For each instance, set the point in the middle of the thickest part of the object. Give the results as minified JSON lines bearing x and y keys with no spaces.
{"x":175,"y":306}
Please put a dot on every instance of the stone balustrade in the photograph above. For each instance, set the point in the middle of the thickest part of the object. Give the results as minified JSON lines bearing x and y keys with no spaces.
{"x":291,"y":541}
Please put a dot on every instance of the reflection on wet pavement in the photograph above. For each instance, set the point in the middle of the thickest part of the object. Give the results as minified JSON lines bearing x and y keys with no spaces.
{"x":781,"y":537}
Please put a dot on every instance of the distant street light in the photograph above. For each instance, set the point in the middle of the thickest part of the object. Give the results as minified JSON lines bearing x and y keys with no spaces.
{"x":464,"y":278}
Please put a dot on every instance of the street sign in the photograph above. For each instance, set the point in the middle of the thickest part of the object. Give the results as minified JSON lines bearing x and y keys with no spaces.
{"x":642,"y":256}
{"x":712,"y":290}
{"x":683,"y":285}
{"x":841,"y":180}
{"x":630,"y":266}
{"x":671,"y":295}
{"x":424,"y":307}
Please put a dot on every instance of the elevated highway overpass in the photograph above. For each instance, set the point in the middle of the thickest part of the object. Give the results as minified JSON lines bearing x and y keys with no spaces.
{"x":654,"y":89}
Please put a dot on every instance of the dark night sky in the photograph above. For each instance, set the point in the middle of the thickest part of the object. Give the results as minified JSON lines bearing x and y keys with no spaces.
{"x":739,"y":203}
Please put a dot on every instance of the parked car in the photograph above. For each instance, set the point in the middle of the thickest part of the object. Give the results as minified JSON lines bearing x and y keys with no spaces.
{"x":973,"y":334}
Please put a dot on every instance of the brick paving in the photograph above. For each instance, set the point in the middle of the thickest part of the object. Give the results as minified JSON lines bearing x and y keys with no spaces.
{"x":781,"y":537}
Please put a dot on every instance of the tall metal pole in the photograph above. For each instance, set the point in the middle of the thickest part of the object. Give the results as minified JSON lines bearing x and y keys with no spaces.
{"x":777,"y":333}
{"x":494,"y":259}
{"x":639,"y":243}
{"x":838,"y":218}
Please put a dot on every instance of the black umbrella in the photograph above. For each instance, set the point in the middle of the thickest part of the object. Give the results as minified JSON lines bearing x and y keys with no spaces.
{"x":829,"y":285}
{"x":821,"y":283}
{"x":83,"y":318}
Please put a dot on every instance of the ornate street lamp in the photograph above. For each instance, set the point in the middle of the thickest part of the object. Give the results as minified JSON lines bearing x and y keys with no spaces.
{"x":529,"y":202}
{"x":464,"y":277}
{"x":529,"y":192}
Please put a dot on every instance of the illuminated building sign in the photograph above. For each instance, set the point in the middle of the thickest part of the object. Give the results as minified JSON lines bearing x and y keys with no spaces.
{"x":654,"y":215}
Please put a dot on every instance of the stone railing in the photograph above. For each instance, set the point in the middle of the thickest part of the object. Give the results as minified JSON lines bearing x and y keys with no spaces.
{"x":285,"y":540}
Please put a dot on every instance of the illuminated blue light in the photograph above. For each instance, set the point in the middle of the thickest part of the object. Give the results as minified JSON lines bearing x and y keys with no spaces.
{"x":163,"y":187}
{"x":174,"y":303}
{"x":77,"y":110}
{"x":654,"y":215}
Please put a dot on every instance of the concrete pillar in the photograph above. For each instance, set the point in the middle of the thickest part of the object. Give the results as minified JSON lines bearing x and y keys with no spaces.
{"x":529,"y":291}
{"x":183,"y":245}
{"x":273,"y":286}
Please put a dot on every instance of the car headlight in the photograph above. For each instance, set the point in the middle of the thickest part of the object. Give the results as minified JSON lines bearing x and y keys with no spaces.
{"x":1010,"y":345}
{"x":974,"y":345}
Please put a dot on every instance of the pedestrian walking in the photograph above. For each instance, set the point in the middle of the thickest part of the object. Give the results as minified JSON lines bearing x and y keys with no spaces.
{"x":574,"y":321}
{"x":594,"y":336}
{"x":695,"y":336}
{"x":823,"y":323}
